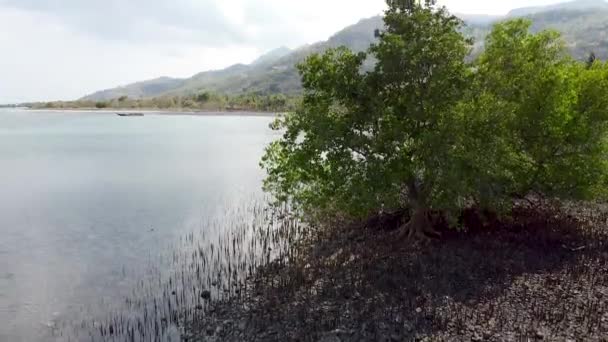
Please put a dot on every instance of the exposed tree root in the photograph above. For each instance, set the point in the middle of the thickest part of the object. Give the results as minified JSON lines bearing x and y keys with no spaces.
{"x":419,"y":227}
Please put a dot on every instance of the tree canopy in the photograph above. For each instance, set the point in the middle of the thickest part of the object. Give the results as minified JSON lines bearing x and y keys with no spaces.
{"x":429,"y":132}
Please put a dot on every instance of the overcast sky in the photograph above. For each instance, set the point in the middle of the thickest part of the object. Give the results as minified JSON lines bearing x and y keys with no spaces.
{"x":64,"y":49}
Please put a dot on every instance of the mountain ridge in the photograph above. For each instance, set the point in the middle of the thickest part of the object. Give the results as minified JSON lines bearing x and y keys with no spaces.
{"x":569,"y":5}
{"x":583,"y":23}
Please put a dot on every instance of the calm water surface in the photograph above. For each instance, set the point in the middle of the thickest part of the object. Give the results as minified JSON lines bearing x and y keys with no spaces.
{"x":87,"y":199}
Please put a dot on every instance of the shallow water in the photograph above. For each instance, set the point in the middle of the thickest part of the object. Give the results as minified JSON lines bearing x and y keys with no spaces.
{"x":90,"y":202}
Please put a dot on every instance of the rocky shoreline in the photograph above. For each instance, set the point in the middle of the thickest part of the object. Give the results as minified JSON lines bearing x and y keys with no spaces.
{"x":542,"y":276}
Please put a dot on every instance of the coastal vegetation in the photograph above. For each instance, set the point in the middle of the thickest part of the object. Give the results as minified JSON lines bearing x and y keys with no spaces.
{"x":431,"y":135}
{"x":203,"y":101}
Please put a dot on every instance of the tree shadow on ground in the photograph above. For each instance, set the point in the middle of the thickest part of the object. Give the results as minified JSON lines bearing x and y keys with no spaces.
{"x":541,"y":275}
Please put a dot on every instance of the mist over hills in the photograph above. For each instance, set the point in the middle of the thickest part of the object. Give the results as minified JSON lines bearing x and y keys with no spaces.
{"x":583,"y":23}
{"x":579,"y":5}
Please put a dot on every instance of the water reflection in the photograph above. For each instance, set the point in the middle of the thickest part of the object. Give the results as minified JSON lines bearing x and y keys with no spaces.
{"x":207,"y":266}
{"x":91,"y":202}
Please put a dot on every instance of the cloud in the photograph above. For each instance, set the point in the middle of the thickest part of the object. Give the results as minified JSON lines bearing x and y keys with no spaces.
{"x":43,"y":59}
{"x":63,"y":49}
{"x":140,"y":21}
{"x":215,"y":23}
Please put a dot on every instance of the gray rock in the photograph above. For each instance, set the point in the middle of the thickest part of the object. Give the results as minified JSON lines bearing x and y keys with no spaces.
{"x":540,"y":334}
{"x":331,"y":337}
{"x":242,"y":325}
{"x":172,"y":334}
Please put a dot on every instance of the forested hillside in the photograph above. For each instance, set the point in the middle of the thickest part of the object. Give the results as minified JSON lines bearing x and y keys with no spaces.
{"x":583,"y":23}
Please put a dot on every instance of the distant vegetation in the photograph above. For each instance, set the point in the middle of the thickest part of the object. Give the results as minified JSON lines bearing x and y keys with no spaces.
{"x":204,"y":101}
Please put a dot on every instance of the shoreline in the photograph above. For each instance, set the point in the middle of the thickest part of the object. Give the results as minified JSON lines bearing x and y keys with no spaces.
{"x":517,"y":281}
{"x":157,"y":112}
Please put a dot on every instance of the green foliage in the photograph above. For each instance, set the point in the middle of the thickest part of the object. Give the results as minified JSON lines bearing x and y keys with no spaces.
{"x":425,"y":130}
{"x":101,"y":105}
{"x":360,"y":140}
{"x":203,"y":97}
{"x":554,"y":113}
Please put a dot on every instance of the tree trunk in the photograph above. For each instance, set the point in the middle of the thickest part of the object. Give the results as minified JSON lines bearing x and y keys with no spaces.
{"x":420,"y":226}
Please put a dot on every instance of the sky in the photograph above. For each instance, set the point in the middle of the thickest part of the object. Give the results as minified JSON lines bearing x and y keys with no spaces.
{"x":65,"y":49}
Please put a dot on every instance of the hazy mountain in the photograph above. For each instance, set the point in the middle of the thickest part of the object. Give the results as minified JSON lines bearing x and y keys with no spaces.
{"x":273,"y":72}
{"x":584,"y":24}
{"x":577,"y":5}
{"x":479,"y":19}
{"x":139,"y":89}
{"x":272,"y":56}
